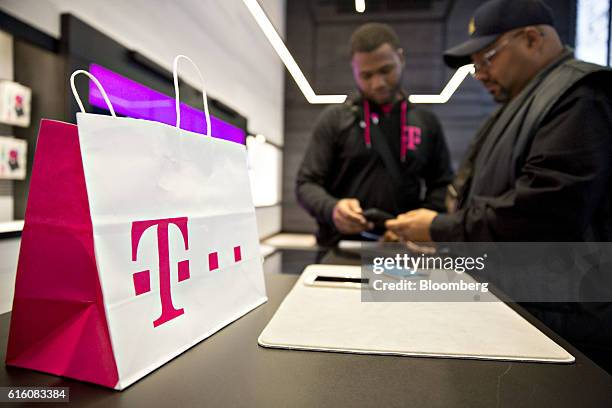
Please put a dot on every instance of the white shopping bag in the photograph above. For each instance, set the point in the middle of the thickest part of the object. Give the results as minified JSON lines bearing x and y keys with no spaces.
{"x":175,"y":235}
{"x":176,"y":247}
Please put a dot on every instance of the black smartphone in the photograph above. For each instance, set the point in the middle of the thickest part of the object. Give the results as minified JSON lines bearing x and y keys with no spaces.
{"x":377,"y":217}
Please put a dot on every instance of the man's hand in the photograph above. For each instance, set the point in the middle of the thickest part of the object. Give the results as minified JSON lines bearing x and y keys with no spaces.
{"x":413,"y":225}
{"x":348,"y":217}
{"x":389,"y":236}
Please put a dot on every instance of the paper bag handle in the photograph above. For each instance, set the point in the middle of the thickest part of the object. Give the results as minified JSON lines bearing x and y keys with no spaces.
{"x":95,"y":80}
{"x":176,"y":93}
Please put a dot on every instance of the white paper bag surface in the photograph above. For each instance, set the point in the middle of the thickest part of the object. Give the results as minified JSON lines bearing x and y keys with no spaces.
{"x":161,"y":198}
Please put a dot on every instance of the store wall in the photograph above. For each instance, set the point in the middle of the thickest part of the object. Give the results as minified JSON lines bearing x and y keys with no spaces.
{"x":240,"y":67}
{"x":48,"y":101}
{"x":6,"y":72}
{"x":318,"y":38}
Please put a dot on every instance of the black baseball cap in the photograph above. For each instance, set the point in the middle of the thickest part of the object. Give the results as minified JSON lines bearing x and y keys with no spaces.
{"x":491,"y":20}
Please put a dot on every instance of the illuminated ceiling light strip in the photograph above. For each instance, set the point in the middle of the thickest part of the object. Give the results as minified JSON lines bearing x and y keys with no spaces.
{"x":279,"y":46}
{"x":284,"y":54}
{"x":448,"y":90}
{"x":360,"y":6}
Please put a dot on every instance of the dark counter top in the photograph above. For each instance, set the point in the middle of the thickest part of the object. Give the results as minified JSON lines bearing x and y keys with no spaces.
{"x":229,"y":369}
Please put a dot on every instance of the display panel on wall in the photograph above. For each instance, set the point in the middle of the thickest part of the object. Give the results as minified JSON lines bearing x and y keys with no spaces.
{"x":130,"y":98}
{"x":593,"y":31}
{"x":265,"y":168}
{"x":13,"y":153}
{"x":142,"y":88}
{"x":15,"y":104}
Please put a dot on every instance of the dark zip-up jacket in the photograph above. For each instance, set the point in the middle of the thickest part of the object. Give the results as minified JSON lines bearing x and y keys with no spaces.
{"x":338,"y":164}
{"x":541,"y":168}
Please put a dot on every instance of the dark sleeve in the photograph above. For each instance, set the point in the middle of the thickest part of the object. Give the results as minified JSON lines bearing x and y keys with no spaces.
{"x":439,"y":172}
{"x":316,"y":168}
{"x":564,"y":178}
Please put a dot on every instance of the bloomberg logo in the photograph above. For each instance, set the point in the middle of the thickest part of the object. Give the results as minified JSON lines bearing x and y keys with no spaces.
{"x":142,"y":279}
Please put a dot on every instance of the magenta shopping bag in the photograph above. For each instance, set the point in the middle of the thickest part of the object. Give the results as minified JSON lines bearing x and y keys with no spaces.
{"x":140,"y":241}
{"x":58,"y":323}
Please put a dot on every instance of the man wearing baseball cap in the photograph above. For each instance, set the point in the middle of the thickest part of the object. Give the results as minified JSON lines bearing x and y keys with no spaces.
{"x":540,"y":169}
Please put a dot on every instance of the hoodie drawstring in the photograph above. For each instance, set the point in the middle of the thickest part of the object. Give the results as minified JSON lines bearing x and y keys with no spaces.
{"x":405,"y":134}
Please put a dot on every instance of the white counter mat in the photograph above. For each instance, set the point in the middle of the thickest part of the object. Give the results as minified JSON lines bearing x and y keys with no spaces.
{"x":335,"y":319}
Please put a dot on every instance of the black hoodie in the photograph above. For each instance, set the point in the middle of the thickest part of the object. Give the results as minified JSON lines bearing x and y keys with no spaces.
{"x":340,"y":163}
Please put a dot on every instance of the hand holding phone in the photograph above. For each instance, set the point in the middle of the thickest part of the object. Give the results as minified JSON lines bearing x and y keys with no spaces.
{"x":377,"y":217}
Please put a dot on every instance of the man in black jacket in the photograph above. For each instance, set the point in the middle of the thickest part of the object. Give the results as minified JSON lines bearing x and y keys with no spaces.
{"x":375,"y":151}
{"x":540,"y":169}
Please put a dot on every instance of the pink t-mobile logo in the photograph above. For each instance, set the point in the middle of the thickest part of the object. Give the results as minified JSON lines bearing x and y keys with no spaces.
{"x":411,"y":138}
{"x":142,"y":280}
{"x":414,"y":137}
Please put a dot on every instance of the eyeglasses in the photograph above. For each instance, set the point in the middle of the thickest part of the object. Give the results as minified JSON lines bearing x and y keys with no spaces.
{"x":489,"y":55}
